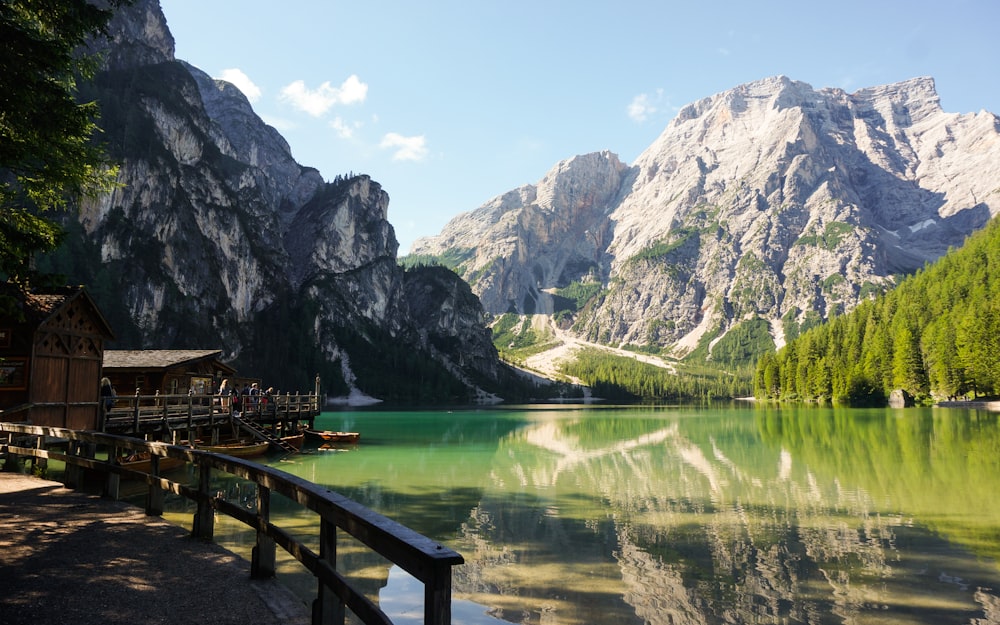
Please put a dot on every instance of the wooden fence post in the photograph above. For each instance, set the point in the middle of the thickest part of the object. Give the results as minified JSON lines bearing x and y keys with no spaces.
{"x":39,"y":465}
{"x":155,"y":496}
{"x":72,"y":473}
{"x":328,"y":609}
{"x":204,"y":518}
{"x":11,"y":462}
{"x":437,"y":597}
{"x":112,"y":482}
{"x":135,"y":413}
{"x":262,"y":559}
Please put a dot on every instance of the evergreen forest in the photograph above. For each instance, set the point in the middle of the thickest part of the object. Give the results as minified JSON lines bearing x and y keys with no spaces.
{"x":622,"y":379}
{"x":936,"y":336}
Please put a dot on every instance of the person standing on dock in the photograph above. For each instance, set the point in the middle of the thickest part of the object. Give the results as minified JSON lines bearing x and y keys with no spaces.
{"x":107,"y":395}
{"x":254,"y":398}
{"x":224,"y":394}
{"x":238,"y":401}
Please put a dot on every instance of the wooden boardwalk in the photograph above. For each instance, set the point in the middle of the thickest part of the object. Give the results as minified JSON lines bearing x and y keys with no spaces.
{"x":96,"y":454}
{"x":180,"y":416}
{"x":68,"y":557}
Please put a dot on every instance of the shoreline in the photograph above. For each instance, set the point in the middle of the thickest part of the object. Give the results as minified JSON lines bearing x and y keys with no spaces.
{"x":992,"y":405}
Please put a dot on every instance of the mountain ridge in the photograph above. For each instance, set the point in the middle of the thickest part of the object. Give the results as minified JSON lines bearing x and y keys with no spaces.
{"x":770,"y":200}
{"x":216,"y":237}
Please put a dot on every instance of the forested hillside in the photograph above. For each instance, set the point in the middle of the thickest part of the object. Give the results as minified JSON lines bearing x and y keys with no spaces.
{"x":935,"y":336}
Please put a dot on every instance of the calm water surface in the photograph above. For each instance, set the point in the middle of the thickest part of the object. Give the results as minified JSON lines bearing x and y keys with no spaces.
{"x":589,"y":515}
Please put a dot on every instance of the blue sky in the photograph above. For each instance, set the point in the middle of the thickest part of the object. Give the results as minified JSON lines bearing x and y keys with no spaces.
{"x":449,"y":103}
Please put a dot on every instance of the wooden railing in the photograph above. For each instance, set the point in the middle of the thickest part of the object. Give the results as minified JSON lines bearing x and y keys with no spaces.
{"x":181,"y":410}
{"x":428,"y":561}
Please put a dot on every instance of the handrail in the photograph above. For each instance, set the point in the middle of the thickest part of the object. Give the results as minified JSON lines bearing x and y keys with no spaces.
{"x":427,"y":560}
{"x":180,"y":410}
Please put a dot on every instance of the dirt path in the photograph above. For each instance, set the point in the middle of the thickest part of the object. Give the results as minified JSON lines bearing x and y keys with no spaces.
{"x":547,"y":363}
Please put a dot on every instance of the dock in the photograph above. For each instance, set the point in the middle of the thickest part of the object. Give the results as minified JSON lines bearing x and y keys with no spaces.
{"x":173,"y":418}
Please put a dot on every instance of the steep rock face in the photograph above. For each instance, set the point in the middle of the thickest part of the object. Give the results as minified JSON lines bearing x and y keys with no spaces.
{"x":439,"y":300}
{"x":771,"y":199}
{"x":217,"y":238}
{"x":517,"y":246}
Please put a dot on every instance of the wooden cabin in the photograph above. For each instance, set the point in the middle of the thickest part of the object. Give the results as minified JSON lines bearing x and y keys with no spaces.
{"x":165,"y":371}
{"x":51,"y":350}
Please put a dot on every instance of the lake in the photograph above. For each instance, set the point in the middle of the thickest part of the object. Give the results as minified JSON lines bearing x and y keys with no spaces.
{"x":738,"y":514}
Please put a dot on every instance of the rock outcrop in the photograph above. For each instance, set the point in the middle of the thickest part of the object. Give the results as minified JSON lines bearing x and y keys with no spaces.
{"x":771,"y":200}
{"x":217,"y":238}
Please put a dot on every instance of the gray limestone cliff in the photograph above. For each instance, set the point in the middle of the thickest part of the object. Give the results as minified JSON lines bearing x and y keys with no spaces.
{"x":217,"y":238}
{"x":770,"y":201}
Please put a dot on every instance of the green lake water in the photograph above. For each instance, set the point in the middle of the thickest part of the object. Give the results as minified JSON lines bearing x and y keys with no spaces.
{"x":600,"y":515}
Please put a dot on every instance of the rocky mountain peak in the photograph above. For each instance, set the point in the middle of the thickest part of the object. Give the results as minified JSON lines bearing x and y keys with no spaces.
{"x":770,"y":200}
{"x":138,"y":36}
{"x":544,"y":234}
{"x":217,"y":238}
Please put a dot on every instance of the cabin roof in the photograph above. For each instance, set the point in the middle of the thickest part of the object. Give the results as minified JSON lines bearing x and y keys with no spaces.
{"x":42,"y":304}
{"x":147,"y":359}
{"x":38,"y":306}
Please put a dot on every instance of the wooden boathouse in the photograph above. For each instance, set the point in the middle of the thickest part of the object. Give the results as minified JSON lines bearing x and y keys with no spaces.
{"x":52,"y":359}
{"x":51,"y":352}
{"x":165,"y":371}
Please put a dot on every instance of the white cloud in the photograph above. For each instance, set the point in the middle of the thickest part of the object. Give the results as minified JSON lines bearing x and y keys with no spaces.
{"x":318,"y":101}
{"x":644,"y":106}
{"x":242,"y":82}
{"x":406,"y":148}
{"x":344,"y":130}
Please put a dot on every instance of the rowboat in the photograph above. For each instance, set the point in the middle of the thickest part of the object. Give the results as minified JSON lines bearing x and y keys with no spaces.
{"x":295,"y":440}
{"x":328,"y":436}
{"x":239,"y":449}
{"x":142,"y":462}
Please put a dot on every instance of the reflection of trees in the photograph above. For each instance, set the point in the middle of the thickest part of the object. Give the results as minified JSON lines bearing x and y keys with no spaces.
{"x":927,"y":464}
{"x":708,"y":527}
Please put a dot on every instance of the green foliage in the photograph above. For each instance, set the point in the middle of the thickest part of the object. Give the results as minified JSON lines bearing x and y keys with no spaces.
{"x":833,"y":281}
{"x":46,"y":153}
{"x":830,"y":238}
{"x":755,"y":287}
{"x":658,"y":332}
{"x":577,"y":294}
{"x":619,"y":378}
{"x":701,"y":353}
{"x":661,"y":249}
{"x":789,"y":325}
{"x":516,"y":339}
{"x":936,"y":335}
{"x":744,"y":343}
{"x":395,"y":372}
{"x":869,"y":290}
{"x":451,"y":258}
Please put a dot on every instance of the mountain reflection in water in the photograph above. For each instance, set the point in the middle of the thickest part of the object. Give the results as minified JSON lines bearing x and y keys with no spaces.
{"x":681,"y":515}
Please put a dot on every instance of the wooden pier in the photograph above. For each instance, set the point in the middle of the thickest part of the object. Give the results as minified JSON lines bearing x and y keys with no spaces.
{"x":98,"y":454}
{"x":176,"y":418}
